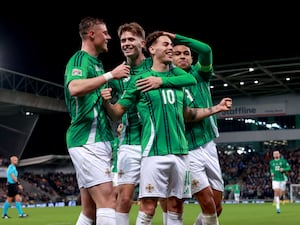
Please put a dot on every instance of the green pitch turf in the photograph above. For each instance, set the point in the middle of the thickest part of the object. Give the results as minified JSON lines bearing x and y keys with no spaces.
{"x":234,"y":214}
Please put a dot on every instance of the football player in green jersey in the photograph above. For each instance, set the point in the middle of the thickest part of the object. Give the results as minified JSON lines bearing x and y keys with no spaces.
{"x":132,"y":42}
{"x":165,"y":162}
{"x":278,"y":169}
{"x":206,"y":174}
{"x":89,"y":134}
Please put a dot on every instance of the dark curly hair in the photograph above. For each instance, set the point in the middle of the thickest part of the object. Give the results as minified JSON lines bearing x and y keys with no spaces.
{"x":152,"y":37}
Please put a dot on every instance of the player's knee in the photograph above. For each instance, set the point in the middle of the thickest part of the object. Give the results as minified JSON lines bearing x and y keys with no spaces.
{"x":219,"y":210}
{"x":125,"y":203}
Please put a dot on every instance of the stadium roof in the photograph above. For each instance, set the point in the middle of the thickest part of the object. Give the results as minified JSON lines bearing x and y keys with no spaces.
{"x":257,"y":78}
{"x":46,"y":160}
{"x":267,"y":78}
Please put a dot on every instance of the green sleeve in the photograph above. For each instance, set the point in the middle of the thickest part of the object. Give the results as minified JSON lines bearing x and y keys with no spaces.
{"x":271,"y":167}
{"x":129,"y":96}
{"x":181,"y":79}
{"x":228,"y":187}
{"x":204,"y":51}
{"x":287,"y":167}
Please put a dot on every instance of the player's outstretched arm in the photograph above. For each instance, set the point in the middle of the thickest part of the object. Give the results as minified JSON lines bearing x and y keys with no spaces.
{"x":197,"y":114}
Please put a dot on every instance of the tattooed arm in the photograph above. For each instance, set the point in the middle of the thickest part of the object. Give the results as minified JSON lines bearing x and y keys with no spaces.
{"x":196,"y":114}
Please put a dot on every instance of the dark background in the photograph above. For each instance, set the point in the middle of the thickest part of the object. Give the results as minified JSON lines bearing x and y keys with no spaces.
{"x":39,"y":39}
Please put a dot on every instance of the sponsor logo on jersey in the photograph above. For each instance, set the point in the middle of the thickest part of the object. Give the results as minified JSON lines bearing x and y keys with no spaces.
{"x":126,"y":79}
{"x":97,"y":68}
{"x":76,"y":72}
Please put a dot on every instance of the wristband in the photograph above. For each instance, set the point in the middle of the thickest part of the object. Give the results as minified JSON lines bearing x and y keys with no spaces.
{"x":108,"y":76}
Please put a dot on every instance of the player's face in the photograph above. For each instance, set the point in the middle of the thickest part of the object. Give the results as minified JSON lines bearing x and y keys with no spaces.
{"x":276,"y":155}
{"x":131,"y":45}
{"x":163,"y":49}
{"x":100,"y":37}
{"x":182,"y":57}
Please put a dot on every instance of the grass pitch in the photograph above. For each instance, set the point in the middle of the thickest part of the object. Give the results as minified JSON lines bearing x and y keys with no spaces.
{"x":233,"y":214}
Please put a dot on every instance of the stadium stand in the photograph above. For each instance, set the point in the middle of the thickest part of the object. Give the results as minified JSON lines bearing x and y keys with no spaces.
{"x":265,"y":116}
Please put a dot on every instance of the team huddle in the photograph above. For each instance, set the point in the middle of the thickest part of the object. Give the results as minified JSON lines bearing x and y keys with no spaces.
{"x":162,"y":99}
{"x":149,"y":122}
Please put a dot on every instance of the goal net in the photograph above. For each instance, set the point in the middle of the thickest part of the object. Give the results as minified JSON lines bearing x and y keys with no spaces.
{"x":295,"y":193}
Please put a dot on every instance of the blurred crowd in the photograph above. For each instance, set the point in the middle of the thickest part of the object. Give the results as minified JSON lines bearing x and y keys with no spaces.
{"x":250,"y":170}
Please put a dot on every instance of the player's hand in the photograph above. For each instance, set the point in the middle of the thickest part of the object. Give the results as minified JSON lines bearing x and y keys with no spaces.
{"x":225,"y":104}
{"x":121,"y":71}
{"x":171,"y":35}
{"x":148,"y":83}
{"x":106,"y":94}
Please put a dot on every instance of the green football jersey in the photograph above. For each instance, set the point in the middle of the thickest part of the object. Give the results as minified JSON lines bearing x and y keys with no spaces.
{"x":236,"y":188}
{"x":89,"y":123}
{"x":161,"y":112}
{"x":202,"y":132}
{"x":275,"y":166}
{"x":133,"y":128}
{"x":131,"y":134}
{"x":115,"y":148}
